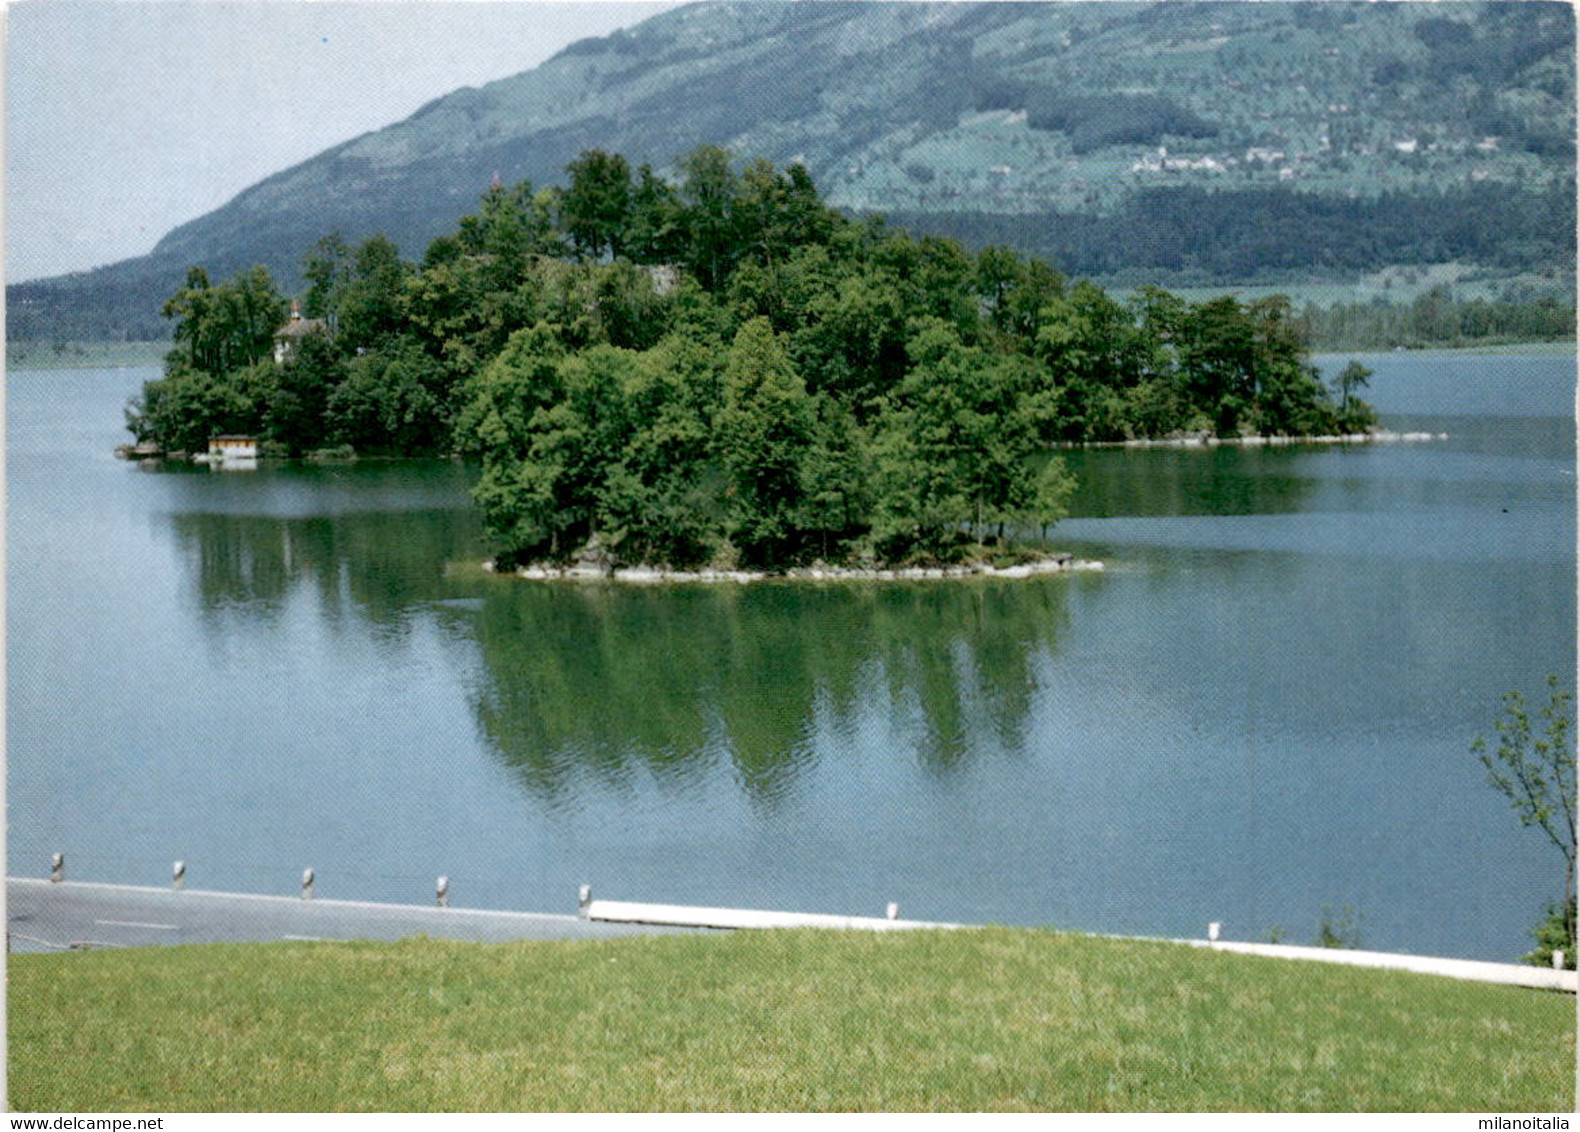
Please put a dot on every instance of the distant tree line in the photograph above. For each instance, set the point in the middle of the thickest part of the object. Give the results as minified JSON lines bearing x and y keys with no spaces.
{"x":725,"y":369}
{"x":1436,"y":318}
{"x":1090,"y":121}
{"x":1243,"y":234}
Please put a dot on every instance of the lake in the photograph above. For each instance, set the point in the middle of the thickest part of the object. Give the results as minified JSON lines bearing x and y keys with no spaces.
{"x":1260,"y":713}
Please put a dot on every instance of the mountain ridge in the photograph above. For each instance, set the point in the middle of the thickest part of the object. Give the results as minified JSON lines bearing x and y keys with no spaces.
{"x":1065,"y":113}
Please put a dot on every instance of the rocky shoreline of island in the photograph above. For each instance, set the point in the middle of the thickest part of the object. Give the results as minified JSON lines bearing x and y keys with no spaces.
{"x":1205,"y":439}
{"x":602,"y":571}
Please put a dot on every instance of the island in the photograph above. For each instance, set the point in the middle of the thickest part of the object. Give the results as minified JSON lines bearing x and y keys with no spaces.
{"x":722,"y":375}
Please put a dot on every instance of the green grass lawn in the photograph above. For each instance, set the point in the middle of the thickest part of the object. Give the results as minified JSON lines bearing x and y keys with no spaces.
{"x":995,"y":1019}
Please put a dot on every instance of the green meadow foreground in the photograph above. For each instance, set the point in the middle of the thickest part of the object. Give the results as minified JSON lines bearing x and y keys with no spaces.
{"x":973,"y":1020}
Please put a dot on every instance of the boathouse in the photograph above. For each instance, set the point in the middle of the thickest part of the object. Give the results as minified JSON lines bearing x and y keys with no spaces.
{"x":233,"y":447}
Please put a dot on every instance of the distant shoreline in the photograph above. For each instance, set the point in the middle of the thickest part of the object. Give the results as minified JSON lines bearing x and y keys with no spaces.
{"x":35,"y":355}
{"x":1545,"y":347}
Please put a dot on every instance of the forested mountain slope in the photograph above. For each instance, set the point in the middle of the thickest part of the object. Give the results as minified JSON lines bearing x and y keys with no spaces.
{"x":1210,"y":142}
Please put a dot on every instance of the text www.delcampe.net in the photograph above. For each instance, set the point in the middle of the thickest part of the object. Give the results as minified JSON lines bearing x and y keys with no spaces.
{"x":90,"y":1123}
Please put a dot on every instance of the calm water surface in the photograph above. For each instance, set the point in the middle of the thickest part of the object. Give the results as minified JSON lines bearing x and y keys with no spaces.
{"x":1261,"y":710}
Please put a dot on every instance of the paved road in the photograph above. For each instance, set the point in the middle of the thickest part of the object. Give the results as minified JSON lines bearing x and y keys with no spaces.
{"x":41,"y":916}
{"x":44,"y":916}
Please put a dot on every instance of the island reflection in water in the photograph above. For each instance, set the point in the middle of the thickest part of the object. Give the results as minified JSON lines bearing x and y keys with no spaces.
{"x":586,"y":683}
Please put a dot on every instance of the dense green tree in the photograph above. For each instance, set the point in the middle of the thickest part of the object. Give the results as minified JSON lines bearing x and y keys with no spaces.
{"x":942,"y":285}
{"x":586,"y":433}
{"x":1218,"y":361}
{"x":970,"y":435}
{"x":371,"y":303}
{"x":655,"y":230}
{"x":297,"y":413}
{"x":852,"y":341}
{"x":764,"y":430}
{"x":506,"y":406}
{"x":327,"y":270}
{"x":615,"y":304}
{"x":1091,"y":348}
{"x":596,"y":207}
{"x":448,"y":316}
{"x":806,"y":219}
{"x":656,"y":504}
{"x":630,"y":311}
{"x":391,"y":403}
{"x":917,"y":505}
{"x":708,"y":195}
{"x":512,"y":225}
{"x":1288,"y":395}
{"x":998,"y":272}
{"x":479,"y":287}
{"x":219,"y":329}
{"x":1048,"y":498}
{"x":835,"y":481}
{"x":776,"y":213}
{"x":1037,"y":286}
